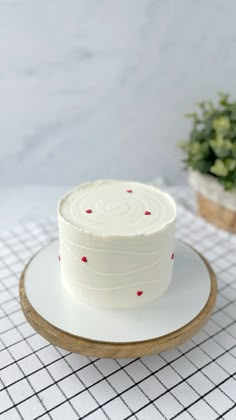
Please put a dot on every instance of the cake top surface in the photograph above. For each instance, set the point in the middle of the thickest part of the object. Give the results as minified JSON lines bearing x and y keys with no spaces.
{"x":110,"y":207}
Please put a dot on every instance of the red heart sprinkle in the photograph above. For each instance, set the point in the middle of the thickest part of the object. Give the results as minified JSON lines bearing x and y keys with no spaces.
{"x":88,"y":211}
{"x":172,"y":256}
{"x":84,"y":259}
{"x":59,"y":258}
{"x":129,"y":191}
{"x":147,"y":213}
{"x":139,"y":292}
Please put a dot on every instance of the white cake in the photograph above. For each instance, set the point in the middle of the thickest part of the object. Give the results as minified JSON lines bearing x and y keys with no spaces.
{"x":116,"y":242}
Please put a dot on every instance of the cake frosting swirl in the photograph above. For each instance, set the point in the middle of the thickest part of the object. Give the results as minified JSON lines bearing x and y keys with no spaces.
{"x":118,"y":208}
{"x":116,"y":242}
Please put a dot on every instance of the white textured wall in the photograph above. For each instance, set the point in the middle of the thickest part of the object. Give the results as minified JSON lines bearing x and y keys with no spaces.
{"x":98,"y":88}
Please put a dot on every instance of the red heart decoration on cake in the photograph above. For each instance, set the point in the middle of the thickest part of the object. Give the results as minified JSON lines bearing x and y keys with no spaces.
{"x":172,"y":256}
{"x":139,"y":292}
{"x":88,"y":211}
{"x":129,"y":191}
{"x":84,"y":259}
{"x":147,"y":213}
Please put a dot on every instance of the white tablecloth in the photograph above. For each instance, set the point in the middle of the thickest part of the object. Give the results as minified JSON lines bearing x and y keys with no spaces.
{"x":194,"y":381}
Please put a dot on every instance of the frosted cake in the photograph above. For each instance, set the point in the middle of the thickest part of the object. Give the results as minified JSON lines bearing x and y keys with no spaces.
{"x":116,"y":242}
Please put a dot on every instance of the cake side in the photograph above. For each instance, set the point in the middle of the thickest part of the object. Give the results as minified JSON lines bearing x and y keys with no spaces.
{"x":118,"y":270}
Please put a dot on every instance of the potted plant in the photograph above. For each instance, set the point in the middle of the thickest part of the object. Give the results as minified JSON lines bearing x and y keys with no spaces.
{"x":210,"y":157}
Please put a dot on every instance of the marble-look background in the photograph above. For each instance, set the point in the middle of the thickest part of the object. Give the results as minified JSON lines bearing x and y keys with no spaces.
{"x":98,"y":88}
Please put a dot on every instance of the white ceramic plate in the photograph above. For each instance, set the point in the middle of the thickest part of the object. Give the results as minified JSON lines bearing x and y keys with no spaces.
{"x":185,"y":298}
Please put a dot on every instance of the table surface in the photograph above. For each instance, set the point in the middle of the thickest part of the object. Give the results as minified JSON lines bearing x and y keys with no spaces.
{"x":197,"y":380}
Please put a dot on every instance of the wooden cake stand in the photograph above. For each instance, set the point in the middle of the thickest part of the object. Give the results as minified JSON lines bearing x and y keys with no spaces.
{"x":97,"y":348}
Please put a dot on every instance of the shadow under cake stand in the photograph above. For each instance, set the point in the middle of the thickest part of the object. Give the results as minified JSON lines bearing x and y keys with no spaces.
{"x":103,"y":332}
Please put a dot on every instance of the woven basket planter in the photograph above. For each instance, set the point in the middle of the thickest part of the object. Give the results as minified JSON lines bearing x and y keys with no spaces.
{"x":215,"y":204}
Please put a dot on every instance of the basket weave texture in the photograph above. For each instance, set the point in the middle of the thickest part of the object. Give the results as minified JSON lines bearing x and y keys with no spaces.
{"x":216,"y":214}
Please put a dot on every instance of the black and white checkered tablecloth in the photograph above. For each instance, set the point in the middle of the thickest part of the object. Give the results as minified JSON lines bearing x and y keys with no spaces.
{"x":194,"y":381}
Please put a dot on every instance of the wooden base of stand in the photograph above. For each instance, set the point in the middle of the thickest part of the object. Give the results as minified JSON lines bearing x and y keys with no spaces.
{"x":94,"y":348}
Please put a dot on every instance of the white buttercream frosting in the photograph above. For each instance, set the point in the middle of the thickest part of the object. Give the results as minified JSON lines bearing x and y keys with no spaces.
{"x":116,"y":211}
{"x":116,"y":255}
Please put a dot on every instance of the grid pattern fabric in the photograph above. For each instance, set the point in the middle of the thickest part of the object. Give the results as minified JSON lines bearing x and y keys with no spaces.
{"x":197,"y":380}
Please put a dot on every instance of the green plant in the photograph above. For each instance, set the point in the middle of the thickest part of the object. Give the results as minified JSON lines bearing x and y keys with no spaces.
{"x":211,"y":148}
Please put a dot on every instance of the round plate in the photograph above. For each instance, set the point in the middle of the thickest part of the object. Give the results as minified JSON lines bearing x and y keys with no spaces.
{"x":167,"y":322}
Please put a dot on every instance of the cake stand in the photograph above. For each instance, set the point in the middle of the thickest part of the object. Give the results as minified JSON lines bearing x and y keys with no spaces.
{"x":101,"y":332}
